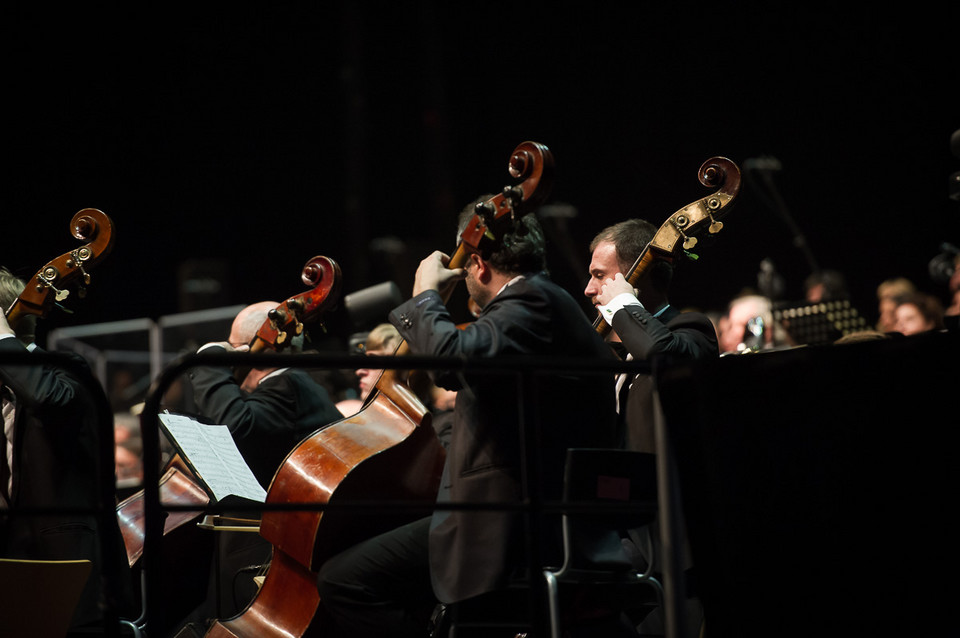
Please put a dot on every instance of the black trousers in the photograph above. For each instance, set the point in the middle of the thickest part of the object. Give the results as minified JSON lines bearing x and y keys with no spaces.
{"x":381,"y":586}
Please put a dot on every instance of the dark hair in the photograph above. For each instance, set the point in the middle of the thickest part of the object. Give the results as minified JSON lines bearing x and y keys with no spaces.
{"x":518,"y":248}
{"x":630,"y":238}
{"x":928,"y":305}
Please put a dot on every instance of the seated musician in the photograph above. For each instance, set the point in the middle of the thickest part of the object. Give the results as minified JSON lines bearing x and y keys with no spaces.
{"x":48,"y":458}
{"x":644,"y":324}
{"x":383,"y":341}
{"x":389,"y":584}
{"x":268,"y":411}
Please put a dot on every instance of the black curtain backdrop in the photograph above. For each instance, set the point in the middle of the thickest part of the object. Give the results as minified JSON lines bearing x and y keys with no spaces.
{"x":258,"y":138}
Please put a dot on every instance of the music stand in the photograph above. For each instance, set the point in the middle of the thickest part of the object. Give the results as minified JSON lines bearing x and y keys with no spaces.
{"x":818,"y":323}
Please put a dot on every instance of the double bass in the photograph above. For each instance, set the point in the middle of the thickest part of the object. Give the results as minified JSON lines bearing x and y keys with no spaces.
{"x":178,"y":486}
{"x":678,"y":234}
{"x":388,"y":451}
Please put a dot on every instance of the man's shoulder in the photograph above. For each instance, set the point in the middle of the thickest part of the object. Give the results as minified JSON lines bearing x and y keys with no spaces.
{"x":689,"y":318}
{"x":534,"y":285}
{"x":293,"y":377}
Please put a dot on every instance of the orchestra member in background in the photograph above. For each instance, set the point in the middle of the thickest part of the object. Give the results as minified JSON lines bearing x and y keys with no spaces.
{"x":383,"y":341}
{"x":887,"y":293}
{"x":918,"y":312}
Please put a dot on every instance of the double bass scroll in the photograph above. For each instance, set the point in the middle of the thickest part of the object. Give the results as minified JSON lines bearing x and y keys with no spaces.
{"x":530,"y":162}
{"x":323,"y":277}
{"x":51,"y":284}
{"x":678,"y":234}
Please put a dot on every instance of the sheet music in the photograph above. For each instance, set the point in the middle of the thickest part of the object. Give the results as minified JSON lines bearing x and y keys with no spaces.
{"x":213,"y":454}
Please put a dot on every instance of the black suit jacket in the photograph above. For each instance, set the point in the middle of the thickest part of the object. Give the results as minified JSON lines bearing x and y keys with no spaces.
{"x":475,"y":552}
{"x":55,"y":465}
{"x":269,"y":422}
{"x":675,"y":334}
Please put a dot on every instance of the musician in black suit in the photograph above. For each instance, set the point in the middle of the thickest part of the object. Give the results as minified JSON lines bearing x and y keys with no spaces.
{"x":643,"y":320}
{"x":49,"y":449}
{"x":389,"y":584}
{"x":644,"y":325}
{"x":270,"y":410}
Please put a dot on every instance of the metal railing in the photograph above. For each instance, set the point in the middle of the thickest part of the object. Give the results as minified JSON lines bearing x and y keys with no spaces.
{"x":524,"y":371}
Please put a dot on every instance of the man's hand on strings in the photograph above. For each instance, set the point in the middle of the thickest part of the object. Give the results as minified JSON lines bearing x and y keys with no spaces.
{"x":433,"y":274}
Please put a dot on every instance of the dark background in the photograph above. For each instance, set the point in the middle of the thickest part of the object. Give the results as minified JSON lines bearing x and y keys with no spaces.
{"x":258,"y":138}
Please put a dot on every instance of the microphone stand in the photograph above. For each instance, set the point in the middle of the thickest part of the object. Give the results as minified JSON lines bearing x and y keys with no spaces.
{"x":764,"y":168}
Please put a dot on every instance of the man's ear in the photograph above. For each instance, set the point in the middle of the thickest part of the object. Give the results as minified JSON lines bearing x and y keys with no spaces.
{"x":483,"y":270}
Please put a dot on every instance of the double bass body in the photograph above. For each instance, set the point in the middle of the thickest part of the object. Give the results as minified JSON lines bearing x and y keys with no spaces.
{"x":388,"y":451}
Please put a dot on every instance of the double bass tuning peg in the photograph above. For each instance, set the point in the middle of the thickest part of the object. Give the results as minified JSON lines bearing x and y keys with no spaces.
{"x":514,"y":194}
{"x":713,"y":204}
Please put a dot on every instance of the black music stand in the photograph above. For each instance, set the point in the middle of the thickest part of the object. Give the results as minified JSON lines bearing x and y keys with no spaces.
{"x":818,"y":323}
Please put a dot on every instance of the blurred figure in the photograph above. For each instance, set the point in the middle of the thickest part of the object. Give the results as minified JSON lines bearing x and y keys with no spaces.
{"x":918,"y":312}
{"x":825,"y":285}
{"x":748,"y":324}
{"x":128,"y":452}
{"x":383,"y":341}
{"x":887,"y":294}
{"x":953,"y":309}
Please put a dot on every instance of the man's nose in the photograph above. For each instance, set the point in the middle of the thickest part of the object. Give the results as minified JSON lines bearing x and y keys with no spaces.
{"x":592,"y":290}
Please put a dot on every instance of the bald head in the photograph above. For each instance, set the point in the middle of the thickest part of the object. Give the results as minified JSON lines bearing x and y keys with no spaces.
{"x":248,"y":321}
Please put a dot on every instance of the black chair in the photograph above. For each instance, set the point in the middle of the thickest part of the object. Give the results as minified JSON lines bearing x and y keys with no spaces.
{"x":606,"y":491}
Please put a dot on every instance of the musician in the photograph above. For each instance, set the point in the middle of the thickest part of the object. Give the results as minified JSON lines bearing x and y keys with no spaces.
{"x":49,"y":459}
{"x":645,"y":325}
{"x":750,"y":309}
{"x":270,"y":410}
{"x":389,"y":584}
{"x":382,"y":341}
{"x":643,"y":321}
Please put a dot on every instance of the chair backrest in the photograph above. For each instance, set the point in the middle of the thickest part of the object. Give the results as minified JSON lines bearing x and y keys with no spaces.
{"x":38,"y":597}
{"x":624,"y":483}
